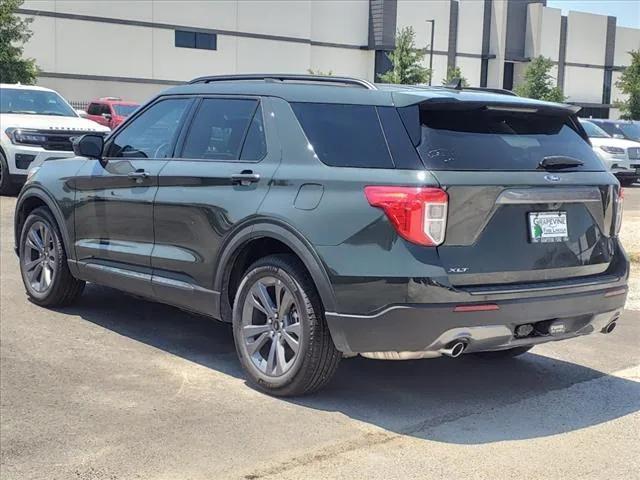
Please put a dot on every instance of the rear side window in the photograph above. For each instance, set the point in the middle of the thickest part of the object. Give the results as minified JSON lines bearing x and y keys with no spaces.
{"x":344,"y":135}
{"x":485,"y":139}
{"x":226,"y":129}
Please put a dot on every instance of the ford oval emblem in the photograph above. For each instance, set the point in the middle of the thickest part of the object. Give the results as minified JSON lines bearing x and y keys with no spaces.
{"x":552,"y":178}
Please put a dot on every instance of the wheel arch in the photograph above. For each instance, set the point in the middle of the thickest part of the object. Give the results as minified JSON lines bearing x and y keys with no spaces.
{"x":270,"y":231}
{"x":32,"y":198}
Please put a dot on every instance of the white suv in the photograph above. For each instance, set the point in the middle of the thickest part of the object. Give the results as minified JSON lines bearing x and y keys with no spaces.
{"x":36,"y":124}
{"x":621,"y":156}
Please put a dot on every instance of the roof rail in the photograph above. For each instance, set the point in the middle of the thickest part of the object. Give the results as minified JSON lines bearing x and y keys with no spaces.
{"x":276,"y":77}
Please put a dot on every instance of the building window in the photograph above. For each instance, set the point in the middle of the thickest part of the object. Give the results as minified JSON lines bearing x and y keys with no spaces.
{"x":507,"y":77}
{"x":203,"y":41}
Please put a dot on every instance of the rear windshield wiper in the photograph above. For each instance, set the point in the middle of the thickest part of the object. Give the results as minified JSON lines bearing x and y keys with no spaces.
{"x":559,"y":162}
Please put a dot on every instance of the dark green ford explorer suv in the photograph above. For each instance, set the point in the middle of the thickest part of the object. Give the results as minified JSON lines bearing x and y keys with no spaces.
{"x":325,"y":217}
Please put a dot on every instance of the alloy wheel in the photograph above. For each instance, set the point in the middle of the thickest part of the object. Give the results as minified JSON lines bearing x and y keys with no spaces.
{"x":271,"y":329}
{"x":39,"y":257}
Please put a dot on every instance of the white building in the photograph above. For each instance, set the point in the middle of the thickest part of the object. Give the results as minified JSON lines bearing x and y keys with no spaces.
{"x":133,"y":48}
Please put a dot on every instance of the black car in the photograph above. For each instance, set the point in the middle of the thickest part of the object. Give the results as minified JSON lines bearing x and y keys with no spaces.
{"x":325,"y":217}
{"x":627,"y":129}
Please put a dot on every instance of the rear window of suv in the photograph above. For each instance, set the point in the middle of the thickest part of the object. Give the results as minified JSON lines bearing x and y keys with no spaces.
{"x":485,"y":139}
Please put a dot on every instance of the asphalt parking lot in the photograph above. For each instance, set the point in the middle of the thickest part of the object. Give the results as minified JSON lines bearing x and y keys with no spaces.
{"x":119,"y":388}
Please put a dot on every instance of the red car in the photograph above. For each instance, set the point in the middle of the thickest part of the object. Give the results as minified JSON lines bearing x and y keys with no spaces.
{"x":110,"y":111}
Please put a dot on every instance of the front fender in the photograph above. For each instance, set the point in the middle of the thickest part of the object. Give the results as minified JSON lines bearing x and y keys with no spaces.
{"x":25,"y":203}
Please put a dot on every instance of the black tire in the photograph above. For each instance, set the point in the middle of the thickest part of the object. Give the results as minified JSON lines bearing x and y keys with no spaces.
{"x":317,"y":358}
{"x":627,"y":182}
{"x":64,"y":289}
{"x":6,"y":186}
{"x":498,"y":354}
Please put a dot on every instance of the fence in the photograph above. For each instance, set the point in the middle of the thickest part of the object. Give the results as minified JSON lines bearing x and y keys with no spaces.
{"x":79,"y":104}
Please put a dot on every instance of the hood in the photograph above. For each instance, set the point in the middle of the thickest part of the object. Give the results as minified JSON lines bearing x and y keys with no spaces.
{"x":613,"y":142}
{"x":50,"y":122}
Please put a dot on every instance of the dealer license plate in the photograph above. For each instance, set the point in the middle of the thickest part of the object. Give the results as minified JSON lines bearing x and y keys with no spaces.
{"x":548,"y":227}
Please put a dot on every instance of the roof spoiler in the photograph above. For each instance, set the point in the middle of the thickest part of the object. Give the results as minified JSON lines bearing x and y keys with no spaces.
{"x":490,"y":102}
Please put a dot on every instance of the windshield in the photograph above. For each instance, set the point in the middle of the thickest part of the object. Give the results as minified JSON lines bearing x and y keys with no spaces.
{"x":594,"y":131}
{"x":124,"y":110}
{"x":631,"y":130}
{"x":483,"y":139}
{"x":34,"y":102}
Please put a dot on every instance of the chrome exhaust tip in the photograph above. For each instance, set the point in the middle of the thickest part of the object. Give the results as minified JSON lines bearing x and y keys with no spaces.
{"x":609,"y":328}
{"x":454,"y":349}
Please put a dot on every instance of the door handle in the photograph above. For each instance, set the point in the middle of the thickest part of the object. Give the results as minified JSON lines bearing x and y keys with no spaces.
{"x":139,"y":175}
{"x":246,"y":177}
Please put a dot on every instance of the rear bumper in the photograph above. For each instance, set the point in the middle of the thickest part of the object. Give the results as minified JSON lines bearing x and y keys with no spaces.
{"x":415,"y":331}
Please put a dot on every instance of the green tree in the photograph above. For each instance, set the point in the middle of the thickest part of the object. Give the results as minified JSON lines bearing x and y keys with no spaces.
{"x":406,"y":60}
{"x":14,"y":32}
{"x":539,"y":83}
{"x":454,"y":73}
{"x":629,"y":84}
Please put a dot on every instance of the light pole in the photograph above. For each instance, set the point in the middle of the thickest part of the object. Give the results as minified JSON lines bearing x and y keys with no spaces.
{"x":433,"y":27}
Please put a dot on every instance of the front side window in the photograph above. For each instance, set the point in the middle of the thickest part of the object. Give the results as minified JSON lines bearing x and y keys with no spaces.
{"x":344,"y":135}
{"x":630,"y":130}
{"x":34,"y":102}
{"x":226,"y":130}
{"x":594,"y":131}
{"x":152,"y":133}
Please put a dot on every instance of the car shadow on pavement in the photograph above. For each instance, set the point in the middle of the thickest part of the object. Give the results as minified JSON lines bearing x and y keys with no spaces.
{"x":464,"y":400}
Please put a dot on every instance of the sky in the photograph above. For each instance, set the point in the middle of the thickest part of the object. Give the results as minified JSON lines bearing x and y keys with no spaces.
{"x":627,"y":11}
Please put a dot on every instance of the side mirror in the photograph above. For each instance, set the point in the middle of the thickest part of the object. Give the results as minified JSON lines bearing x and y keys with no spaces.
{"x":107,"y":116}
{"x":89,"y":145}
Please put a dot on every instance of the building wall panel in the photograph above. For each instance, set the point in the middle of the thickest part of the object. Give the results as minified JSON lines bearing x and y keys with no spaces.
{"x":84,"y":91}
{"x":81,"y":48}
{"x":627,"y":39}
{"x":341,"y":61}
{"x":275,"y":17}
{"x":128,"y":10}
{"x":470,"y":68}
{"x":470,"y":13}
{"x":221,"y":14}
{"x":346,"y":21}
{"x":171,"y":63}
{"x":543,"y":32}
{"x":586,"y":38}
{"x":42,"y":45}
{"x":583,"y":84}
{"x":415,"y":13}
{"x":257,"y":55}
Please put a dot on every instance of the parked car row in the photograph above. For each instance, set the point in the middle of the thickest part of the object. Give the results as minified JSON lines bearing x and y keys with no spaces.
{"x":37,"y":124}
{"x":620,"y":154}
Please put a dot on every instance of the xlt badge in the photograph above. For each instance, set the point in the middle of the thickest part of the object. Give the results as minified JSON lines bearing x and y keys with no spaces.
{"x":458,"y":269}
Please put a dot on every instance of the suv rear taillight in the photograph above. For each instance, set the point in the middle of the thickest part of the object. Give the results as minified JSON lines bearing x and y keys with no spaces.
{"x":419,"y":214}
{"x":619,"y":208}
